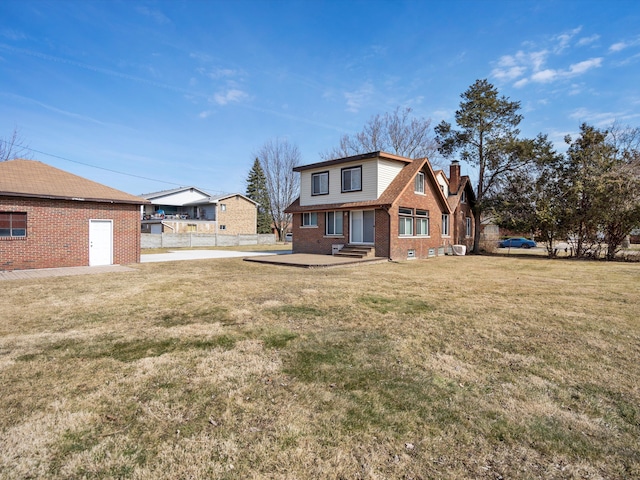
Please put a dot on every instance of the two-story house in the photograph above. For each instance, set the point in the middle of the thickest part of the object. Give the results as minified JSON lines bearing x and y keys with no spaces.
{"x":190,"y":209}
{"x":392,"y":205}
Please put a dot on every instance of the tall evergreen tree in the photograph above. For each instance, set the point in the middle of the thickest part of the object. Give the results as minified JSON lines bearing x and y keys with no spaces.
{"x":257,"y":191}
{"x":487,"y":139}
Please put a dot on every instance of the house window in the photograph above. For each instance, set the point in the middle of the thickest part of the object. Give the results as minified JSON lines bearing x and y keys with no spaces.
{"x":223,"y":207}
{"x":468,"y":232}
{"x":406,"y":221}
{"x":13,"y":225}
{"x":422,"y":222}
{"x":333,"y":223}
{"x":420,"y":182}
{"x":352,"y":179}
{"x":463,"y":197}
{"x":320,"y":183}
{"x":310,"y":219}
{"x":445,"y":224}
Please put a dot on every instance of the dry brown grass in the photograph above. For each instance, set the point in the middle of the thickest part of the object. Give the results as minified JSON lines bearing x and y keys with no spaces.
{"x":453,"y":367}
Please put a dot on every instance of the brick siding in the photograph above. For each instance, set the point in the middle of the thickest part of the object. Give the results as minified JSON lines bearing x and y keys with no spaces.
{"x":400,"y":246}
{"x":58,"y":233}
{"x":240,"y":216}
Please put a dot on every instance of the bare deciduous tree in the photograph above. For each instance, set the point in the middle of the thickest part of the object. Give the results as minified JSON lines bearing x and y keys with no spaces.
{"x":12,"y":147}
{"x":278,"y":159}
{"x":398,"y":132}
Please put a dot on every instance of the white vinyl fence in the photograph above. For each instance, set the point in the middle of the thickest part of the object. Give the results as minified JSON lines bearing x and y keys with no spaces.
{"x":174,"y":240}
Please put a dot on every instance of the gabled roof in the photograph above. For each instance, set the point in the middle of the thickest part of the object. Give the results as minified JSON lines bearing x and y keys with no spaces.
{"x":165,"y":193}
{"x":454,"y":198}
{"x":399,"y":184}
{"x":210,"y":199}
{"x":30,"y":178}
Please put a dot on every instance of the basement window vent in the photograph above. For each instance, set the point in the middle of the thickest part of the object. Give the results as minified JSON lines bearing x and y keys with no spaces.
{"x":432,"y":252}
{"x":411,"y":254}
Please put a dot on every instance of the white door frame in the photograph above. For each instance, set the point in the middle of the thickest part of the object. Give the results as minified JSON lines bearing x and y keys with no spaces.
{"x":356,"y":226}
{"x":100,"y":242}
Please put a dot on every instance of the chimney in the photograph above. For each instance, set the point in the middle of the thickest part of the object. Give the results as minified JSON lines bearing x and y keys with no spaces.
{"x":454,"y":177}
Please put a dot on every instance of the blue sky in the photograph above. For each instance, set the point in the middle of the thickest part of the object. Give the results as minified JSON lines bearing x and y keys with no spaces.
{"x":185,"y":92}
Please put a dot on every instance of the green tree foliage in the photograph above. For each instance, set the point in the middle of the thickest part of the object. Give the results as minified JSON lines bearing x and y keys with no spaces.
{"x":487,"y":138}
{"x":603,"y":189}
{"x":590,"y":196}
{"x":257,"y":191}
{"x":533,"y":199}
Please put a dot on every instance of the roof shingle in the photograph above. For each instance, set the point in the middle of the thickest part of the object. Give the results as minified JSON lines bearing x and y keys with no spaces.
{"x":30,"y":178}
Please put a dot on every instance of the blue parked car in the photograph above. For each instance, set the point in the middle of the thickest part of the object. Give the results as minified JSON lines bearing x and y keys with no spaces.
{"x":517,"y":242}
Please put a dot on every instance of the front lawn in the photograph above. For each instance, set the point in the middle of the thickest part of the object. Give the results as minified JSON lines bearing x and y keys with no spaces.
{"x":452,"y":367}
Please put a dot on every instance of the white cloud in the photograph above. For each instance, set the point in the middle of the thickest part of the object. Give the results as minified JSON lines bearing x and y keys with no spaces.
{"x":545,"y":76}
{"x":588,"y":40}
{"x":616,"y":47}
{"x":525,"y":66}
{"x":233,"y":95}
{"x":205,"y":114}
{"x":356,"y":99}
{"x":582,"y":67}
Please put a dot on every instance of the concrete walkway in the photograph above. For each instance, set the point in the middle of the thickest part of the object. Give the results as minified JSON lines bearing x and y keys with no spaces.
{"x":148,"y":258}
{"x":61,"y":272}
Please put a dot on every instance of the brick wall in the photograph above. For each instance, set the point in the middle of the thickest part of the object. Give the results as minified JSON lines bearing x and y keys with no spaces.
{"x":399,"y":246}
{"x":58,"y":233}
{"x":313,"y":239}
{"x":459,"y":225}
{"x":239,"y":217}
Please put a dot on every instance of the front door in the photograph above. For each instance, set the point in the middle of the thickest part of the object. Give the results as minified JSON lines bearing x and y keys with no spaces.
{"x":100,"y":242}
{"x":362,"y":226}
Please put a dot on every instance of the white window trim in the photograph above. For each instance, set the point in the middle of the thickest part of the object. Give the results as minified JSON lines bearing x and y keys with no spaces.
{"x":311,"y":225}
{"x":326,"y":224}
{"x":448,"y":224}
{"x":415,"y":183}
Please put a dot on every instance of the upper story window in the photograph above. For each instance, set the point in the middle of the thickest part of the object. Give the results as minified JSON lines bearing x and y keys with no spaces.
{"x":352,"y":179}
{"x":463,"y":197}
{"x":420,"y":182}
{"x":13,"y":224}
{"x":320,"y":183}
{"x":309,"y":219}
{"x":445,"y":224}
{"x":223,"y":207}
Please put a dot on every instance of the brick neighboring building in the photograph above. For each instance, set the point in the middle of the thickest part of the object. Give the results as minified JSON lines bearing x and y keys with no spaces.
{"x":190,"y":209}
{"x":51,"y":218}
{"x":393,"y":206}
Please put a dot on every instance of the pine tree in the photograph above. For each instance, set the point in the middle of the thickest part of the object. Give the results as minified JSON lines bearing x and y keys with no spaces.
{"x":257,"y":191}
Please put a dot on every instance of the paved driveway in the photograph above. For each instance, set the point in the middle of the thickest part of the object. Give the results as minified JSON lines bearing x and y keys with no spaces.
{"x":203,"y":254}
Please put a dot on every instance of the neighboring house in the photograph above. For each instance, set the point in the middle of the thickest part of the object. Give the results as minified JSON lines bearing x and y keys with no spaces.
{"x":461,"y":198}
{"x":52,"y":218}
{"x":393,"y":206}
{"x":189,"y":209}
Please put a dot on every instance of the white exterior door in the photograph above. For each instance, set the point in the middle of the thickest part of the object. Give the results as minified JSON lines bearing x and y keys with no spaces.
{"x":362,"y":226}
{"x":100,"y":242}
